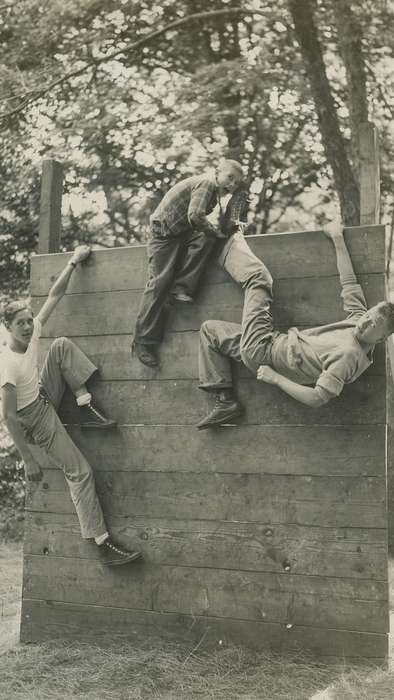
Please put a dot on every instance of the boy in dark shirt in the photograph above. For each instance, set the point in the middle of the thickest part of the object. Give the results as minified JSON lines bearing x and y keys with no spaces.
{"x":311,"y":365}
{"x":181,"y":242}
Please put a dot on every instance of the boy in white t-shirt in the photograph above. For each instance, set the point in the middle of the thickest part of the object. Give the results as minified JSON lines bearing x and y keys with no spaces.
{"x":30,"y":400}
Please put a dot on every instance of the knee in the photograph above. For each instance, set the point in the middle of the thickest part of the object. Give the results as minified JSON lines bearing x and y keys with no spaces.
{"x":79,"y":475}
{"x":208,"y":329}
{"x":60,"y":344}
{"x":157,"y":284}
{"x":261,"y":277}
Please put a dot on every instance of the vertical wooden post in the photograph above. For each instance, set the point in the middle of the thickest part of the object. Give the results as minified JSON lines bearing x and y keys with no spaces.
{"x":369,"y":175}
{"x":50,"y":207}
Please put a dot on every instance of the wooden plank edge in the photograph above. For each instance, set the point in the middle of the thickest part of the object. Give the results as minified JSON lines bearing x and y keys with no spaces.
{"x":362,"y":277}
{"x":42,"y":620}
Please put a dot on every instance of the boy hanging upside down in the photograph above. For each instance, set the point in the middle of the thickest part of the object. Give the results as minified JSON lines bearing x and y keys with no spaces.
{"x":312,"y":365}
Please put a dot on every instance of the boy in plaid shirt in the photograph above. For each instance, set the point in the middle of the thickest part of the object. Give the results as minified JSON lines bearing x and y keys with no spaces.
{"x":181,"y":242}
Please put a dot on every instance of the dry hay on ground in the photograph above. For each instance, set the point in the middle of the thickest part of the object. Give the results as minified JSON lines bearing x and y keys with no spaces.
{"x":124,"y":670}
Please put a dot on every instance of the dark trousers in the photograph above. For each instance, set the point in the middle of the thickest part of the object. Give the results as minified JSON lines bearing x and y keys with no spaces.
{"x":173,"y":264}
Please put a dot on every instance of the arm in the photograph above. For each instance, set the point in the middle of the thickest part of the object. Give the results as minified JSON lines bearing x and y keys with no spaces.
{"x":354,"y":302}
{"x":344,"y":262}
{"x":33,"y":470}
{"x":200,"y":199}
{"x":59,"y":288}
{"x":309,"y":396}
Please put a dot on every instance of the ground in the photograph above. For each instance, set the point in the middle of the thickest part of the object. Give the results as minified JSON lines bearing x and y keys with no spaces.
{"x":10,"y":594}
{"x":117,"y":669}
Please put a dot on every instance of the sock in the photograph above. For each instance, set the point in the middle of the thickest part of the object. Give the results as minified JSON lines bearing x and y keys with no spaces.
{"x":101,"y":538}
{"x":84,"y":399}
{"x":226,"y":394}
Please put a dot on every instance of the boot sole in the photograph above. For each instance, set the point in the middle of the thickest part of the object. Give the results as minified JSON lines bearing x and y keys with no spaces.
{"x":186,"y":302}
{"x":222,"y":421}
{"x":135,"y":557}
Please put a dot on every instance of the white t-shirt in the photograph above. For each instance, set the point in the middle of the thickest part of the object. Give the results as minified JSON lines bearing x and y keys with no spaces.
{"x":21,"y":369}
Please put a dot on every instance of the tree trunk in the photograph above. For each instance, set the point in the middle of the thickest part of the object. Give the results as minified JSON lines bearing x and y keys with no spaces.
{"x":350,"y":47}
{"x":333,"y":141}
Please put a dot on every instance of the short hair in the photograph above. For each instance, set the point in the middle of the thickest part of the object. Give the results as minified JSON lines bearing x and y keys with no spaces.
{"x":234,"y":165}
{"x":11,"y":309}
{"x":386,"y":309}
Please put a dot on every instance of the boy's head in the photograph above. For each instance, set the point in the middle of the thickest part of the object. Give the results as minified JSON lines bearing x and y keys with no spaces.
{"x":229,"y":176}
{"x":18,"y":319}
{"x":376,"y":324}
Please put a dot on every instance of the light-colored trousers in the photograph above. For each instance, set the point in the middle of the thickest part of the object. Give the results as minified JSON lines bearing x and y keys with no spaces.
{"x":249,"y":342}
{"x":65,"y":364}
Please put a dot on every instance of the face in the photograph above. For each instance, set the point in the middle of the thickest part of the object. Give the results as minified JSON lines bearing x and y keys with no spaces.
{"x":21,"y":327}
{"x":228,"y":178}
{"x":371,"y":327}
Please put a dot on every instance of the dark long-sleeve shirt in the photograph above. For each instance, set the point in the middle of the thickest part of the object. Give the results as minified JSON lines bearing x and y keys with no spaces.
{"x":186,"y":205}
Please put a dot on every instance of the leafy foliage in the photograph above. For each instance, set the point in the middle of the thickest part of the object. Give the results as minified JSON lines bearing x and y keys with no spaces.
{"x":12,"y":491}
{"x":144,"y":106}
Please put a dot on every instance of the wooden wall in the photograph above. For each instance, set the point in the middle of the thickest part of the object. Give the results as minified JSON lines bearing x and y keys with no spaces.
{"x":271,"y":534}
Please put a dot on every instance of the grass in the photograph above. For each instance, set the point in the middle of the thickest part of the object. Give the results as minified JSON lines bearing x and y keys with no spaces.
{"x":364,"y":685}
{"x":119,"y":669}
{"x":10,"y":594}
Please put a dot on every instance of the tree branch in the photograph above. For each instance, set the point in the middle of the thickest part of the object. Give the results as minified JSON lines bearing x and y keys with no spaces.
{"x":128,"y":49}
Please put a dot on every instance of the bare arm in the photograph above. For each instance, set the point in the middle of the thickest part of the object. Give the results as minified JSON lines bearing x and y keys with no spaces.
{"x":32,"y":468}
{"x":59,"y":288}
{"x":344,"y":262}
{"x":309,"y":396}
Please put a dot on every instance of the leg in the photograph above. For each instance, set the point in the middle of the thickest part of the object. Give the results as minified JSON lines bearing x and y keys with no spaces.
{"x":79,"y":476}
{"x":47,"y":431}
{"x":257,"y":327}
{"x":219,"y":344}
{"x":80,"y":479}
{"x":65,"y":364}
{"x":198,"y":250}
{"x":149,"y":329}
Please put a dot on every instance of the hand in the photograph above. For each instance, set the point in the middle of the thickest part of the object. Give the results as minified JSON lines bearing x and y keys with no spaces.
{"x":81,"y":253}
{"x":334,"y":230}
{"x":266,"y":374}
{"x":33,"y":471}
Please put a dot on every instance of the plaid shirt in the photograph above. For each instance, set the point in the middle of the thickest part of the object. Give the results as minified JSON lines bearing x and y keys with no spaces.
{"x":186,"y":205}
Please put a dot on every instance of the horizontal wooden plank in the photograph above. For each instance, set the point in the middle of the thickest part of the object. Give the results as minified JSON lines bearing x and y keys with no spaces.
{"x":285,"y":598}
{"x":306,"y":500}
{"x":241,"y":486}
{"x":295,"y":512}
{"x":180,"y":402}
{"x":302,"y":253}
{"x":178,"y":357}
{"x":44,"y":620}
{"x":276,"y":449}
{"x":317,"y":551}
{"x":305,"y":302}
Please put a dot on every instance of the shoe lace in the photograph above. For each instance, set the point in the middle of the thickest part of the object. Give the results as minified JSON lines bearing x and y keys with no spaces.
{"x":96,"y":412}
{"x":116,"y":549}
